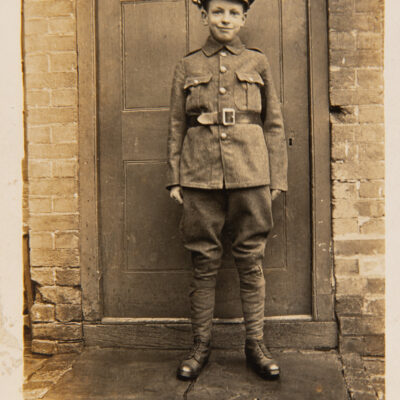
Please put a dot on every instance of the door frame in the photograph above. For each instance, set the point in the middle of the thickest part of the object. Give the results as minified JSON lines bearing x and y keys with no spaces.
{"x":322,"y":265}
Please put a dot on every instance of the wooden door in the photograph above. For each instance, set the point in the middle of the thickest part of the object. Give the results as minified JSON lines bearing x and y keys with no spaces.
{"x":146,"y":272}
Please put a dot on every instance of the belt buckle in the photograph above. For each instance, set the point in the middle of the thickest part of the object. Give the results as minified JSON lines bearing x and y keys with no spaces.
{"x":228,"y":116}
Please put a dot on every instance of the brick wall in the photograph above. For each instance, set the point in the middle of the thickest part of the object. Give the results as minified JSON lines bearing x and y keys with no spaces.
{"x":357,"y":130}
{"x":356,"y":93}
{"x":50,"y":73}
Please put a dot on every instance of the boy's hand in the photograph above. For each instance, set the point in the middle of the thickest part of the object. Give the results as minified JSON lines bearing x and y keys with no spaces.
{"x":176,"y":193}
{"x":275,"y":193}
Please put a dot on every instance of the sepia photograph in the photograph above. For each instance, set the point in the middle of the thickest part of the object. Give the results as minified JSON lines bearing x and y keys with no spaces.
{"x":197,"y":195}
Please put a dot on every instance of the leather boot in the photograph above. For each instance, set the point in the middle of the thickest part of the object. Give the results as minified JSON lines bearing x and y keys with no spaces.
{"x":192,"y":365}
{"x":261,"y":360}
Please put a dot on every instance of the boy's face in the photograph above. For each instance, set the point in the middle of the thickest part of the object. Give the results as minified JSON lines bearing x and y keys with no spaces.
{"x":224,"y":19}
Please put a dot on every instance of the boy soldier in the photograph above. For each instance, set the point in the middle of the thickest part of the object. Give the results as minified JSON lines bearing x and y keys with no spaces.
{"x":226,"y":161}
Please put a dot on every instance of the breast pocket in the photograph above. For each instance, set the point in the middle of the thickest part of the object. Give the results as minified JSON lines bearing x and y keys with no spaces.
{"x":197,"y":97}
{"x":248,"y":91}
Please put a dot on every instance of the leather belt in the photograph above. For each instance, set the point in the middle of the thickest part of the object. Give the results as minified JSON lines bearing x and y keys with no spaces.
{"x":226,"y":117}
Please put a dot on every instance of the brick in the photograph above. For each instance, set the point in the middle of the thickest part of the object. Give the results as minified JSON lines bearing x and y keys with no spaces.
{"x":365,"y":325}
{"x":39,"y":169}
{"x":371,"y":114}
{"x":47,"y":294}
{"x":371,"y":151}
{"x":344,"y":151}
{"x":375,"y":307}
{"x":348,"y":305}
{"x":370,"y":78}
{"x":372,"y":345}
{"x":53,"y":151}
{"x":373,"y":189}
{"x":48,"y":8}
{"x":65,"y":133}
{"x":343,"y":133}
{"x":66,"y":240}
{"x":374,"y":366}
{"x":39,"y":134}
{"x":51,"y":80}
{"x":69,"y":347}
{"x":349,"y":22}
{"x":359,"y":96}
{"x":372,"y":266}
{"x":359,"y":247}
{"x":37,"y":98}
{"x":363,"y":395}
{"x":41,"y":240}
{"x":373,"y":226}
{"x":66,"y":204}
{"x":371,"y":133}
{"x":350,"y":286}
{"x":370,"y":208}
{"x":376,"y":286}
{"x":40,"y":205}
{"x":68,"y":295}
{"x":343,"y":208}
{"x":43,"y":276}
{"x":42,"y":312}
{"x":63,"y":62}
{"x":358,"y":170}
{"x":51,"y":115}
{"x":55,"y":186}
{"x":64,"y":97}
{"x":355,"y":59}
{"x":43,"y":346}
{"x":65,"y":25}
{"x":342,"y":40}
{"x":68,"y":312}
{"x":68,"y":277}
{"x":352,"y":361}
{"x":35,"y":26}
{"x":54,"y":257}
{"x":46,"y":43}
{"x":340,"y":6}
{"x":38,"y":63}
{"x":369,"y":41}
{"x":344,"y":190}
{"x":57,"y":331}
{"x":65,"y":168}
{"x":345,"y":226}
{"x":368,"y":5}
{"x":346,"y":266}
{"x":342,"y":78}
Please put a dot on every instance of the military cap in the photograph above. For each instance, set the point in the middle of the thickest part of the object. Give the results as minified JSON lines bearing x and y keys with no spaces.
{"x":201,"y":3}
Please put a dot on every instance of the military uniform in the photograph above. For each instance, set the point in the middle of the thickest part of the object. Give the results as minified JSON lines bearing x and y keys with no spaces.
{"x":226,"y":149}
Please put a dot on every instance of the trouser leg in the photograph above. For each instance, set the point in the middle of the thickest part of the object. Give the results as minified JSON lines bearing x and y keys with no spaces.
{"x":202,"y":222}
{"x":250,"y":219}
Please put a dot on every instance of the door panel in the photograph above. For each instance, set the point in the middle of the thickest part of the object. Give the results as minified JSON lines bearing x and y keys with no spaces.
{"x":146,"y":271}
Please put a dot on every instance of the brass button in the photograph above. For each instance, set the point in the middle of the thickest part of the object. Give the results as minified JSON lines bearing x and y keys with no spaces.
{"x":222,"y":90}
{"x":223,"y":135}
{"x":223,"y":69}
{"x":223,"y":53}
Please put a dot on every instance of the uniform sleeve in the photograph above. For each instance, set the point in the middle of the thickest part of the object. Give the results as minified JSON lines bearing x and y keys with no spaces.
{"x":274,"y":132}
{"x":177,"y":125}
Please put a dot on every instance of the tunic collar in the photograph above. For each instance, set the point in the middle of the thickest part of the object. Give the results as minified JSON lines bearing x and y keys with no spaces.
{"x":212,"y":46}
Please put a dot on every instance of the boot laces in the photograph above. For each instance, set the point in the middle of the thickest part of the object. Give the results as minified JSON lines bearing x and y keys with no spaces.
{"x":197,"y":348}
{"x":262,"y":350}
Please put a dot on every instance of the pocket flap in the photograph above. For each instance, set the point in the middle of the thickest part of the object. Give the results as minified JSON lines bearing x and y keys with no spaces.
{"x":250,"y":77}
{"x":197,"y":80}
